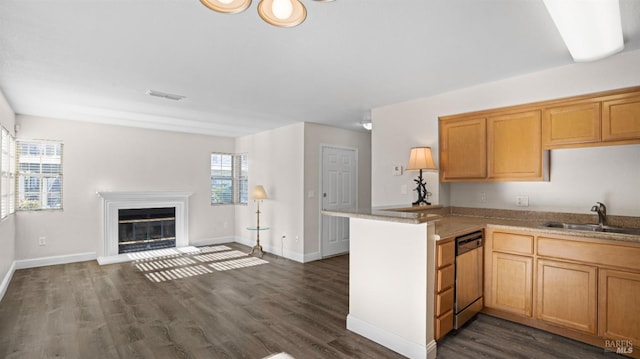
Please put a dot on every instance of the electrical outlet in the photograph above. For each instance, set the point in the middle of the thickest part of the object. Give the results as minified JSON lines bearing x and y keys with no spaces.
{"x":42,"y":240}
{"x":522,"y":201}
{"x":483,"y":197}
{"x":296,"y":238}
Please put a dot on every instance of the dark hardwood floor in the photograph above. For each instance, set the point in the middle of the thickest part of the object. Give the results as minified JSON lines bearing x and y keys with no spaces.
{"x":83,"y":310}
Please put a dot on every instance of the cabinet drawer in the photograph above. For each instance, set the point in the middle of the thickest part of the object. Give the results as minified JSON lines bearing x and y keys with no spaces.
{"x":446,"y":253}
{"x":444,"y":324}
{"x":513,"y":243}
{"x":445,"y":278}
{"x":592,"y":253}
{"x":444,"y":302}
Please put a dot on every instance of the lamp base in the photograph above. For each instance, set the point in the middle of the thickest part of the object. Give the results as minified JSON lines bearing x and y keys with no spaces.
{"x":423,"y":194}
{"x":421,"y":202}
{"x":257,"y":248}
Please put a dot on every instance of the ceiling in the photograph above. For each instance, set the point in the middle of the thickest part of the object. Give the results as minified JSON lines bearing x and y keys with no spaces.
{"x":94,"y":60}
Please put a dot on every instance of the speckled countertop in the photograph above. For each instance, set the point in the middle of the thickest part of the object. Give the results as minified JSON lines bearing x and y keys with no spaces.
{"x":454,"y":221}
{"x":413,"y":217}
{"x":455,"y":225}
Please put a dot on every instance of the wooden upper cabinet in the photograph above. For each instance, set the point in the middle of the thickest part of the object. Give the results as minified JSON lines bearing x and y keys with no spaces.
{"x":572,"y":123}
{"x":463,"y":149}
{"x":621,"y":119}
{"x":514,"y":147}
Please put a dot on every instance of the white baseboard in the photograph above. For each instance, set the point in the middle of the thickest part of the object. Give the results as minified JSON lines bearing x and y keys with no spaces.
{"x":310,"y":257}
{"x":392,"y":341}
{"x":53,"y":260}
{"x":7,"y":279}
{"x":295,"y":256}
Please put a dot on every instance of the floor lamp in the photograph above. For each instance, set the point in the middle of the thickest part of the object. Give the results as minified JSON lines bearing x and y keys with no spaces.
{"x":258,"y":194}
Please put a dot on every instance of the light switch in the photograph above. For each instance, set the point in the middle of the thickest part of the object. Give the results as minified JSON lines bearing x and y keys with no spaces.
{"x":397,"y":170}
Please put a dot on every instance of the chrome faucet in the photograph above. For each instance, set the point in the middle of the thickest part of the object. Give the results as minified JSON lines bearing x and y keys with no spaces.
{"x":601,"y":209}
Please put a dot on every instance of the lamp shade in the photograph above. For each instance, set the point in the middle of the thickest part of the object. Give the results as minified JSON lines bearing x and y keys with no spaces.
{"x":227,"y":6}
{"x":282,"y":13}
{"x":420,"y":159}
{"x":258,"y":193}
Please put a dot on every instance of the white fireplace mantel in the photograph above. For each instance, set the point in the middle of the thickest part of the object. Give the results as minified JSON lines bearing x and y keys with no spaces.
{"x":112,"y":202}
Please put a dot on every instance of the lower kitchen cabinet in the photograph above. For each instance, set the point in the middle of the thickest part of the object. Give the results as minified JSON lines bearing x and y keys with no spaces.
{"x":583,"y":288}
{"x":567,"y":294}
{"x":511,"y":283}
{"x":444,"y":281}
{"x":618,"y":307}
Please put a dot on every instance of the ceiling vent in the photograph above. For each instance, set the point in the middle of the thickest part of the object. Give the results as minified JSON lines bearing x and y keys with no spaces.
{"x":168,"y":96}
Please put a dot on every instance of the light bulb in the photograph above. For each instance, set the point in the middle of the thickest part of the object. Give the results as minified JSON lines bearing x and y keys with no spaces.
{"x":226,"y":2}
{"x":282,"y":9}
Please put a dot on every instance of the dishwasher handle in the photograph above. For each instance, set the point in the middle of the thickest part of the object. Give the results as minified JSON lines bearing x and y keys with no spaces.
{"x":468,"y":242}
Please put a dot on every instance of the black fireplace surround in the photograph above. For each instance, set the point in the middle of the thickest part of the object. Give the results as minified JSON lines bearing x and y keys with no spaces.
{"x":143,"y":229}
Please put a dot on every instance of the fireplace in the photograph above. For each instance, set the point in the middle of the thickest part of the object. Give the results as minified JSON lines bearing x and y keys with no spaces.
{"x":143,"y":229}
{"x":139,"y":223}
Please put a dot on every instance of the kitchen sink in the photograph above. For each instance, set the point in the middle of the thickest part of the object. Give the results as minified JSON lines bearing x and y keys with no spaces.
{"x":592,"y":228}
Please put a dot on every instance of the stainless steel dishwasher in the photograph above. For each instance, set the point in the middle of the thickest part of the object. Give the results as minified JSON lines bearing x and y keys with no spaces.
{"x":469,"y":277}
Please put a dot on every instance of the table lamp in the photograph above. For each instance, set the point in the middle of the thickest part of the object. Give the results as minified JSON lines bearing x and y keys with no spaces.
{"x":421,"y":159}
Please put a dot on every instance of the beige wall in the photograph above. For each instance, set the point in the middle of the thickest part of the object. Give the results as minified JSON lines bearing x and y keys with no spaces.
{"x":579,"y":177}
{"x":112,"y":158}
{"x":286,"y":161}
{"x":7,"y":225}
{"x":314,"y":137}
{"x":276,"y":161}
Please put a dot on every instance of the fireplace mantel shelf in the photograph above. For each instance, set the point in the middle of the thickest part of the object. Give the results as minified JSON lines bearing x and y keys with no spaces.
{"x":142,"y":195}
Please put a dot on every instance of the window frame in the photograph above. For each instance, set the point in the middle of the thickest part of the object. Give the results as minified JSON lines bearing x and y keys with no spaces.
{"x":43,"y":174}
{"x":7,"y":173}
{"x":235,"y":180}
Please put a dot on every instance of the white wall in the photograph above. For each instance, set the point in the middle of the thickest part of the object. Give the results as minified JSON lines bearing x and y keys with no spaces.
{"x":573,"y":188}
{"x":112,"y":158}
{"x":286,"y":161}
{"x":7,"y":225}
{"x":276,"y":161}
{"x":316,"y":136}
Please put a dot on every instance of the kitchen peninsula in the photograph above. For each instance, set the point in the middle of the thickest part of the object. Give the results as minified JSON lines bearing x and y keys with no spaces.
{"x":393,"y":267}
{"x":391,"y":276}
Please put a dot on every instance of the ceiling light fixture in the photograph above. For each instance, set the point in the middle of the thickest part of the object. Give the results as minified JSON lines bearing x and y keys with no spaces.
{"x":366,"y":121}
{"x":591,"y":29}
{"x":168,"y":96}
{"x":281,"y":13}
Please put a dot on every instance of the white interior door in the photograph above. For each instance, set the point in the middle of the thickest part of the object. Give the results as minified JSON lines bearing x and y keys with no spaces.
{"x":339,"y":192}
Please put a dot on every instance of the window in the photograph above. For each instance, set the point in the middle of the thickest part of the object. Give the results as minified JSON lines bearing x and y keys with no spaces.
{"x":229,"y":179}
{"x":39,"y":175}
{"x":7,"y":173}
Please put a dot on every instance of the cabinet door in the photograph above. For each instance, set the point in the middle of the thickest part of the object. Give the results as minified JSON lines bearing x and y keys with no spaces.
{"x":571,"y":124}
{"x":567,"y":295}
{"x":511,"y":283}
{"x":621,"y":119}
{"x":463,"y":149}
{"x":619,"y":310}
{"x":514,"y":147}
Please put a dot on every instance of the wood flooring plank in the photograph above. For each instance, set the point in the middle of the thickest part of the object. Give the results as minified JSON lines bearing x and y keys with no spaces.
{"x":83,"y":310}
